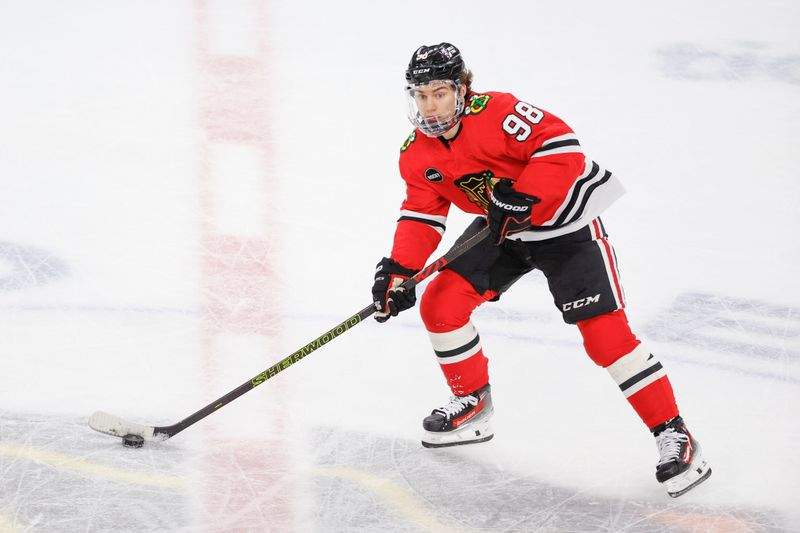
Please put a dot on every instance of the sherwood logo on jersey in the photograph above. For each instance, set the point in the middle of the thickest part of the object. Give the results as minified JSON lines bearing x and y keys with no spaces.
{"x":589,"y":300}
{"x":477,"y":187}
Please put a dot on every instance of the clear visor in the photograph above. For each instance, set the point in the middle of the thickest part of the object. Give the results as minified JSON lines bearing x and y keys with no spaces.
{"x":435,"y":107}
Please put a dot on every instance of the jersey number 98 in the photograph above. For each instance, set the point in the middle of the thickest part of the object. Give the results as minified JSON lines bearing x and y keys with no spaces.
{"x":521,"y":127}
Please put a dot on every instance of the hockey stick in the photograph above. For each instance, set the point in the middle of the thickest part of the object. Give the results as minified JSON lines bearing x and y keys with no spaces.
{"x":118,"y":427}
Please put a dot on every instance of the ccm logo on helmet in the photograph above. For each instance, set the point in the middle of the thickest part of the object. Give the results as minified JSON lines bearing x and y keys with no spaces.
{"x":581,"y":303}
{"x":509,"y":207}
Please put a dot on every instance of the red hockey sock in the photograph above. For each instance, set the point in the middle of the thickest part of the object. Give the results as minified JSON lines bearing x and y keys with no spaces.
{"x":607,"y":337}
{"x":446,"y":307}
{"x":655,"y":403}
{"x":641,"y":378}
{"x":468,"y":375}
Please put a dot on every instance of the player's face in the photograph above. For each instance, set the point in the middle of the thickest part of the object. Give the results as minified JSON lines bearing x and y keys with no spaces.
{"x":435,"y":100}
{"x":435,"y":107}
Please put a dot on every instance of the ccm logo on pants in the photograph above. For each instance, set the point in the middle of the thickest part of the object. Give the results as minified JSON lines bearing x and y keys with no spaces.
{"x":580,"y":303}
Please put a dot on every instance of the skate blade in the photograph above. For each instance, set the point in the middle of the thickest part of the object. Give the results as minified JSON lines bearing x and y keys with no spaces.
{"x":698,"y":472}
{"x":446,"y":444}
{"x":476,"y":431}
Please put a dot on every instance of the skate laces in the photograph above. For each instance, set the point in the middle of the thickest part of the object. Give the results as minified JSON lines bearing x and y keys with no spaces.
{"x":669,"y":444}
{"x":457,"y":404}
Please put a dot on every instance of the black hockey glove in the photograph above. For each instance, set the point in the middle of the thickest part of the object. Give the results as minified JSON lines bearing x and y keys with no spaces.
{"x":509,"y":211}
{"x":390,"y":300}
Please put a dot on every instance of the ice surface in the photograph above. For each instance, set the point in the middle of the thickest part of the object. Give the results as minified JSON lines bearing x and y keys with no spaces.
{"x":192,"y":190}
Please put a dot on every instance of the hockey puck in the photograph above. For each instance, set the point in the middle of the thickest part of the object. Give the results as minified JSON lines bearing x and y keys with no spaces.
{"x":132,"y":441}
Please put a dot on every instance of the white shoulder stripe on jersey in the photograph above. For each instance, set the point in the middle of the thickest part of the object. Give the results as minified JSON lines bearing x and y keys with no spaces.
{"x":559,"y":150}
{"x":565,"y":137}
{"x":561,"y":144}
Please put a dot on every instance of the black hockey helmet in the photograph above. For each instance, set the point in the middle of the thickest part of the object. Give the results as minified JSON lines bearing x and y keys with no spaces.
{"x":436,"y":62}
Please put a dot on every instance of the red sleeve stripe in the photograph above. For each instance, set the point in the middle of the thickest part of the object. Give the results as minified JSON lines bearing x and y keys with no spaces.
{"x":562,"y":144}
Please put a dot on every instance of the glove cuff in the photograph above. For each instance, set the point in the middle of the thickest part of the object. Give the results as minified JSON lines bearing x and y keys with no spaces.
{"x":390,"y":266}
{"x":504,"y":192}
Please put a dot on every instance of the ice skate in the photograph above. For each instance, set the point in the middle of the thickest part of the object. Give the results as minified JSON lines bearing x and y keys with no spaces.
{"x":464,"y":420}
{"x":682,"y":466}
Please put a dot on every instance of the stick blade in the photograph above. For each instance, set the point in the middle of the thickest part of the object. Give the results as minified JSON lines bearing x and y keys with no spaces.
{"x":118,"y":427}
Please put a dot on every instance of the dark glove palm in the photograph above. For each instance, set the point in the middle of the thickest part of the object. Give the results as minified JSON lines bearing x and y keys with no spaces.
{"x":388,"y":297}
{"x":509,"y":211}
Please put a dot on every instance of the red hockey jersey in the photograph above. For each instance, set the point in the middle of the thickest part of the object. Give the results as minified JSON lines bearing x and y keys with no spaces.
{"x":500,"y":137}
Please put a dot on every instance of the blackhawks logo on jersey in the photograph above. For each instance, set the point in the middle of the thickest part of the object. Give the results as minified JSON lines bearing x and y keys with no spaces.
{"x":411,"y":138}
{"x":477,"y":187}
{"x":476,"y":104}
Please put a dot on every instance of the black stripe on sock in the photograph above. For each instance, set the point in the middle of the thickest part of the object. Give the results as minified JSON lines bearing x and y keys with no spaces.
{"x":627,"y":384}
{"x":458,"y":351}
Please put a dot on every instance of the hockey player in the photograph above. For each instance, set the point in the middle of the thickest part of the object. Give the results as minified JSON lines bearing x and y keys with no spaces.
{"x":523,"y":171}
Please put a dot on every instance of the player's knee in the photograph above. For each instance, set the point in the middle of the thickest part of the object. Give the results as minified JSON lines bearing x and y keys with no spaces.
{"x":436,"y":313}
{"x":607,"y":337}
{"x":448,"y":302}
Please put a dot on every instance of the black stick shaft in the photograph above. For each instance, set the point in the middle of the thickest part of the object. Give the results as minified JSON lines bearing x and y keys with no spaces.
{"x":319,"y":342}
